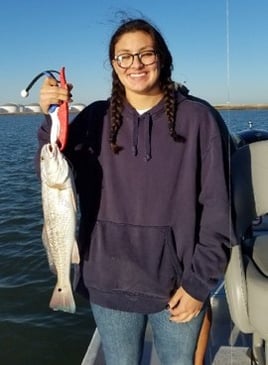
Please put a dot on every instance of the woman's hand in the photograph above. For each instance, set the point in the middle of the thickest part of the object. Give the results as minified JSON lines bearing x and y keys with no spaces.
{"x":52,"y":93}
{"x":183,"y":307}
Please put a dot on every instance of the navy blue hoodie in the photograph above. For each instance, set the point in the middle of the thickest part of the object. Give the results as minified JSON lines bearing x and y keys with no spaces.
{"x":156,"y":216}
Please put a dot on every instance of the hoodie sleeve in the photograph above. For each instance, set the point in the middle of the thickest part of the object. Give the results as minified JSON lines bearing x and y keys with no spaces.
{"x":214,"y":232}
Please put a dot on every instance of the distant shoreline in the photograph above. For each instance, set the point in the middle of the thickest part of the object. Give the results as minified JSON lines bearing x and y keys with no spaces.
{"x":216,"y":106}
{"x":240,"y":106}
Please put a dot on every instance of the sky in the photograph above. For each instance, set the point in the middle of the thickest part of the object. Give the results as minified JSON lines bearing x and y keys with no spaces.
{"x":219,"y":47}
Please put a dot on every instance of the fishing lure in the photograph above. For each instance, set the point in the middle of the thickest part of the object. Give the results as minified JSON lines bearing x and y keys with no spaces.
{"x":59,"y":112}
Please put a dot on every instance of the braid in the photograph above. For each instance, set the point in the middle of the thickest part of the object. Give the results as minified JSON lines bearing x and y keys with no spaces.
{"x":169,"y":96}
{"x":116,"y":113}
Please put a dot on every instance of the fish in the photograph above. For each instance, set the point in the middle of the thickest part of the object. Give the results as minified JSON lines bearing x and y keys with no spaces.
{"x":59,"y":204}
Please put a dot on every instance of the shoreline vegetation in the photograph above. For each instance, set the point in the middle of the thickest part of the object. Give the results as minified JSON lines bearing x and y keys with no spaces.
{"x":225,"y":106}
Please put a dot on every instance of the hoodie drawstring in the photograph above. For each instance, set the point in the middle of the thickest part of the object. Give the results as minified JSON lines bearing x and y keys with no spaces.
{"x":147,"y":121}
{"x":147,"y":136}
{"x":135,"y":135}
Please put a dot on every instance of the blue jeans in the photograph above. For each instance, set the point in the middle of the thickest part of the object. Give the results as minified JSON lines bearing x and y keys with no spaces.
{"x":122,"y":336}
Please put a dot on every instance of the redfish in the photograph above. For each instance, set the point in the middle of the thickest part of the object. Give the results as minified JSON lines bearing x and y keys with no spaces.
{"x":60,"y":217}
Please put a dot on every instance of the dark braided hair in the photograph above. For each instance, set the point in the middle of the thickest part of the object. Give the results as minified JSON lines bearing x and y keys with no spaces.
{"x":166,"y":84}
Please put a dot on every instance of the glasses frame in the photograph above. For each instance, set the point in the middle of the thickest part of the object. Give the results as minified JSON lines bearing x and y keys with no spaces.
{"x":139,"y":55}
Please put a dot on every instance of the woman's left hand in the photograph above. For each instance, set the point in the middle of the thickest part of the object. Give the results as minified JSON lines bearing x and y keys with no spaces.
{"x":183,"y":307}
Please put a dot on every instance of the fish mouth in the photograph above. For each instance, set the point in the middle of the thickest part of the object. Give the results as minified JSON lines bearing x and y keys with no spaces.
{"x":54,"y":167}
{"x":52,"y":150}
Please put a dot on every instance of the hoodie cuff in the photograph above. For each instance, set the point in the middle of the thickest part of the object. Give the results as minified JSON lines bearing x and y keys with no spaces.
{"x":197,"y":288}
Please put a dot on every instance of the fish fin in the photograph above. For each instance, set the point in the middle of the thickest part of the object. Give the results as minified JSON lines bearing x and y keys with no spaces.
{"x":62,"y":299}
{"x":51,"y":264}
{"x":44,"y":237}
{"x":75,"y":254}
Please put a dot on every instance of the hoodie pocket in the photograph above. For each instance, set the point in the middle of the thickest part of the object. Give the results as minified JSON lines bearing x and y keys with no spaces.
{"x":134,"y":259}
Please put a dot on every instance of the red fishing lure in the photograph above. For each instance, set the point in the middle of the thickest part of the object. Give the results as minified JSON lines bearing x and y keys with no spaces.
{"x":63,"y":114}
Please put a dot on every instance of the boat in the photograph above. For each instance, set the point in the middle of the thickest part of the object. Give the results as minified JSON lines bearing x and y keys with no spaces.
{"x":239,"y":331}
{"x":250,"y":135}
{"x":246,"y":277}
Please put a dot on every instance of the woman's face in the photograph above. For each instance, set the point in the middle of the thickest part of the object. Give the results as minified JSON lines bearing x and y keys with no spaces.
{"x":137,"y":78}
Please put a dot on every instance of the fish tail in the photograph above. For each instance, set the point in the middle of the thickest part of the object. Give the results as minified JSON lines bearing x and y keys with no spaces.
{"x":62,"y":299}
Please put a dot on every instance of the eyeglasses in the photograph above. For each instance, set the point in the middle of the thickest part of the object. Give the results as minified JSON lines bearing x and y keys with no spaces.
{"x":125,"y":60}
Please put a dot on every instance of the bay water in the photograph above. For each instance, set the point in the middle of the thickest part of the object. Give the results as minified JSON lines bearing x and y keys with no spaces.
{"x":30,"y":332}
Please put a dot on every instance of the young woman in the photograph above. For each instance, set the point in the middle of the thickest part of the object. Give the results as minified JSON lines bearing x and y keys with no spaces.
{"x":154,"y":226}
